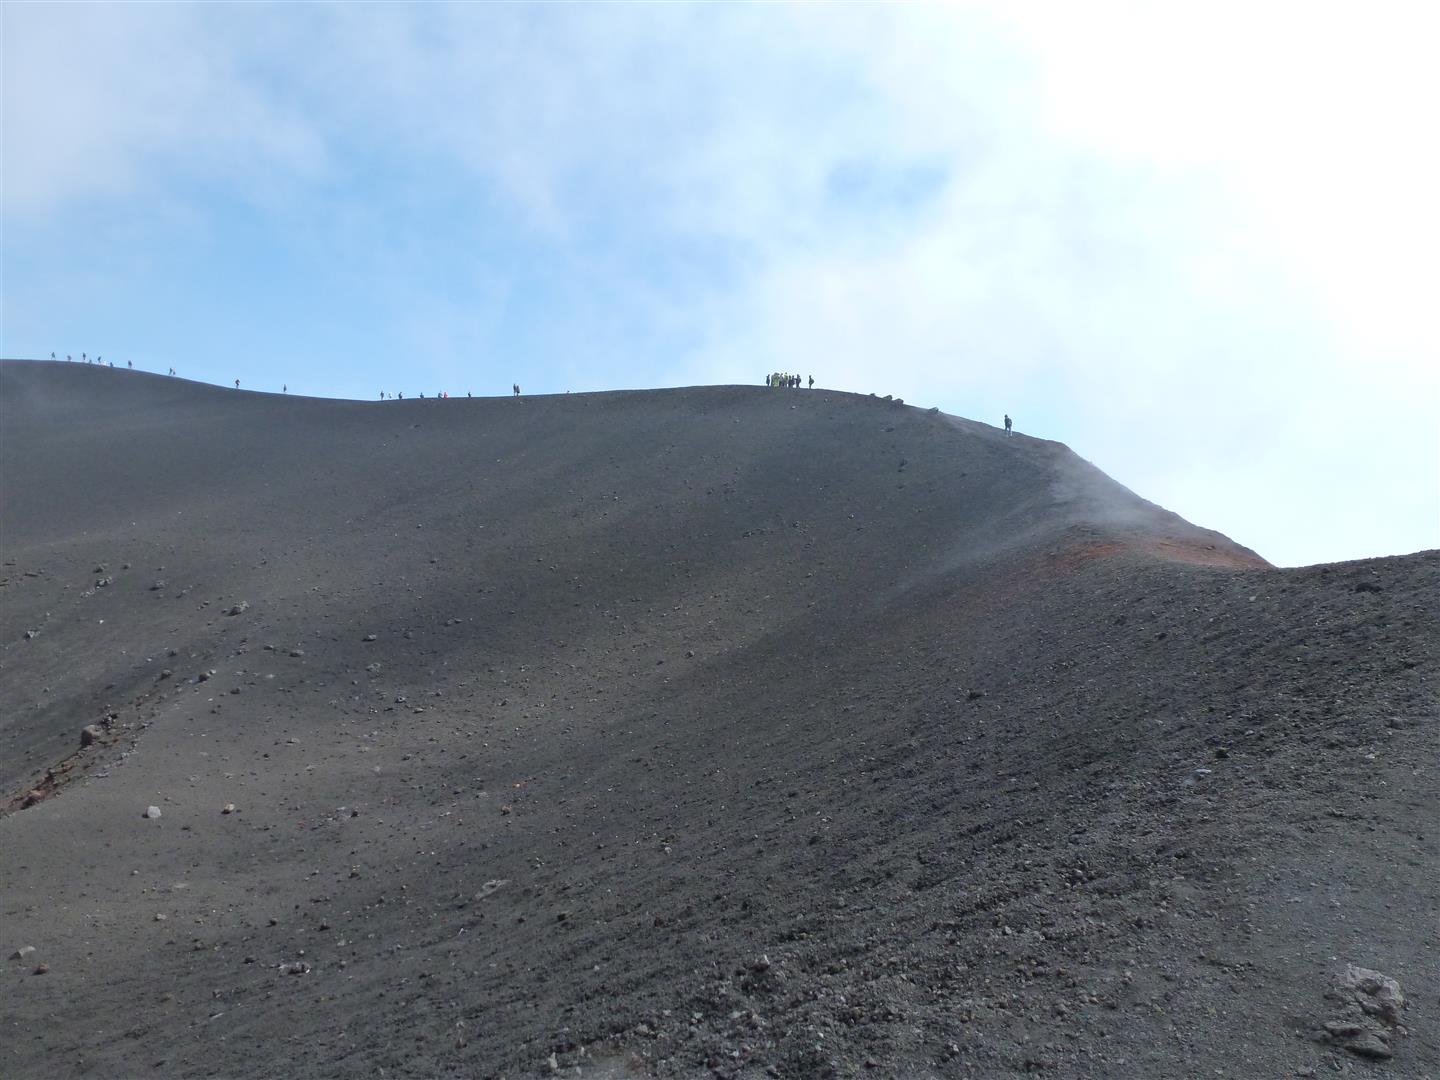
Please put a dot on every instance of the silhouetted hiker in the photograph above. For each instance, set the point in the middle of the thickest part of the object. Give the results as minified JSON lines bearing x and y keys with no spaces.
{"x":1007,"y":423}
{"x":68,"y":358}
{"x":422,"y":395}
{"x":130,"y":364}
{"x":285,"y":389}
{"x":237,"y":384}
{"x":84,"y":357}
{"x":172,"y":371}
{"x":401,"y":395}
{"x":468,"y":394}
{"x":812,"y":382}
{"x":52,"y":356}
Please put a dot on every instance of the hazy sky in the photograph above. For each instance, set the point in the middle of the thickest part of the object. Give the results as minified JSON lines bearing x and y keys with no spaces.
{"x":1196,"y":242}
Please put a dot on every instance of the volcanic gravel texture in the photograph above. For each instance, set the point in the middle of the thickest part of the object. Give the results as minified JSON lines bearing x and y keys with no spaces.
{"x":722,"y":731}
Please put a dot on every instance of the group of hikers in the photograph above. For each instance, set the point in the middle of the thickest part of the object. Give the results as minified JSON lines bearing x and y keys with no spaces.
{"x":90,"y":360}
{"x":442,"y":395}
{"x":776,"y":379}
{"x":792,"y":381}
{"x":84,"y":359}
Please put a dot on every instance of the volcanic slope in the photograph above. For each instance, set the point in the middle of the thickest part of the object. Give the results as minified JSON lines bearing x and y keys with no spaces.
{"x":725,"y":730}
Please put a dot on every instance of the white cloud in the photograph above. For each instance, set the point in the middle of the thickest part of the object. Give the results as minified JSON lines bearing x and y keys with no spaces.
{"x":129,"y":99}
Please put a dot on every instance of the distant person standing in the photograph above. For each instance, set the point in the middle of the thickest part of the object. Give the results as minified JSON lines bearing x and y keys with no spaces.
{"x":237,"y":384}
{"x":1007,"y":424}
{"x":285,"y":388}
{"x":812,"y":382}
{"x":130,"y":364}
{"x":52,"y":356}
{"x":517,"y":389}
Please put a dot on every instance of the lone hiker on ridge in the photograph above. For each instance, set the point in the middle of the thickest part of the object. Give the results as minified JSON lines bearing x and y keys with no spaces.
{"x":1007,"y":424}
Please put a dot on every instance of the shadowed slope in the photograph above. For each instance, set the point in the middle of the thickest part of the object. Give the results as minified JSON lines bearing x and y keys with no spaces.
{"x":728,"y":728}
{"x":526,"y":516}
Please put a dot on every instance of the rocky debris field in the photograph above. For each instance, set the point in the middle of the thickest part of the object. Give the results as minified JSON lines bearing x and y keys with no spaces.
{"x":720,"y":731}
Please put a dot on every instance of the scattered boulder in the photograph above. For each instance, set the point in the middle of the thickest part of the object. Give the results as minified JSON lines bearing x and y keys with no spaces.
{"x":91,"y":734}
{"x":1377,"y":995}
{"x":490,"y":888}
{"x":297,"y":653}
{"x":299,"y":967}
{"x":236,"y":609}
{"x":368,"y":637}
{"x":102,"y":582}
{"x":157,"y":586}
{"x":30,"y":635}
{"x":23,"y":953}
{"x":1373,"y":1007}
{"x":228,"y":808}
{"x":152,"y":812}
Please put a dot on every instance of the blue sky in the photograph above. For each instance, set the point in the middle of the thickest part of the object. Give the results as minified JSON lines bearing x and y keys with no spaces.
{"x":1194,"y":242}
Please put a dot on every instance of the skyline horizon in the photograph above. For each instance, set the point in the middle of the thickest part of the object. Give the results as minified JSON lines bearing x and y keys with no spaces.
{"x":417,"y":396}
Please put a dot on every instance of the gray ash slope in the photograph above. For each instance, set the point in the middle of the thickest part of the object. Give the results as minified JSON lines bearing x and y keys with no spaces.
{"x":808,"y":734}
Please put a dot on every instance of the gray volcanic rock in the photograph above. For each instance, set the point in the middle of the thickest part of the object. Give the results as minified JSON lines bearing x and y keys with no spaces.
{"x":687,"y":734}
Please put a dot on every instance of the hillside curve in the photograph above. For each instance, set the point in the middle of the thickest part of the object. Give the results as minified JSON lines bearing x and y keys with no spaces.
{"x":719,"y":729}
